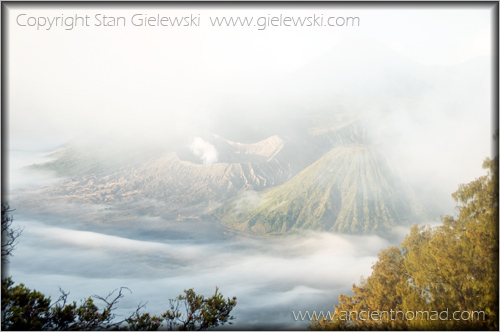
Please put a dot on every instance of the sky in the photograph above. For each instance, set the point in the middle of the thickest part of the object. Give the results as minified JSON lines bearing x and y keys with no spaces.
{"x":429,"y":66}
{"x":99,"y":78}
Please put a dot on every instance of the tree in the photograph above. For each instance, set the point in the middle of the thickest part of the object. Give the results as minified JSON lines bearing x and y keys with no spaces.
{"x":9,"y":234}
{"x":24,"y":309}
{"x":452,"y":267}
{"x":200,"y":313}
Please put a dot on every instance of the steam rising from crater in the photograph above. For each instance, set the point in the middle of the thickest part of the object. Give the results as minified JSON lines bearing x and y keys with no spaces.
{"x":206,"y":151}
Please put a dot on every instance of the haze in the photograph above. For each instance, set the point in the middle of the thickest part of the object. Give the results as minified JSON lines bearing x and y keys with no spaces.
{"x":419,"y":78}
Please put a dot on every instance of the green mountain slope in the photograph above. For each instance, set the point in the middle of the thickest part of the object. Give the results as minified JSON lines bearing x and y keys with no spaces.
{"x":348,"y":190}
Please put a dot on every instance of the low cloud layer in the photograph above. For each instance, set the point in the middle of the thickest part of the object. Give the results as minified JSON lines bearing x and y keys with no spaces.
{"x":270,"y":277}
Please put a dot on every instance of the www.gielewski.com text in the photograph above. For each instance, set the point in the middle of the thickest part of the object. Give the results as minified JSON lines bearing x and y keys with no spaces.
{"x":70,"y":22}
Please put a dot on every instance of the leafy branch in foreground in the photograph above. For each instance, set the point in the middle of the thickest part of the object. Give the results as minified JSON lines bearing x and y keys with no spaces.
{"x":24,"y":309}
{"x":200,"y":313}
{"x":438,"y":272}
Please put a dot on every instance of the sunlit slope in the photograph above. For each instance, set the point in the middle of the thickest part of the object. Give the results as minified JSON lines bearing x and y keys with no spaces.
{"x":348,"y":190}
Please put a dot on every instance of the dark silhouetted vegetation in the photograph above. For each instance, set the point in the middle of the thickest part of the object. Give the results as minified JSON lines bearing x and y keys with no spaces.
{"x":24,"y":309}
{"x":9,"y":234}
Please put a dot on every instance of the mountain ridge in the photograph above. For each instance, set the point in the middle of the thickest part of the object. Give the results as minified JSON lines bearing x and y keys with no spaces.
{"x":345,"y":191}
{"x":322,"y":175}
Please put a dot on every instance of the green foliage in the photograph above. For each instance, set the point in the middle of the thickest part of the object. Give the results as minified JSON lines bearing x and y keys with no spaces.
{"x":24,"y":309}
{"x":452,"y":267}
{"x":200,"y":313}
{"x":143,"y":322}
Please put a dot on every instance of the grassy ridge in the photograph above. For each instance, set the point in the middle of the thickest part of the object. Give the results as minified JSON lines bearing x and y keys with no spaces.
{"x":349,"y":190}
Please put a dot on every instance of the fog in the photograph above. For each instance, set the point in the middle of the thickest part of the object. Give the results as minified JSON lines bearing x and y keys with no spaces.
{"x":431,"y":104}
{"x":271,"y":278}
{"x":62,"y":246}
{"x":418,"y":79}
